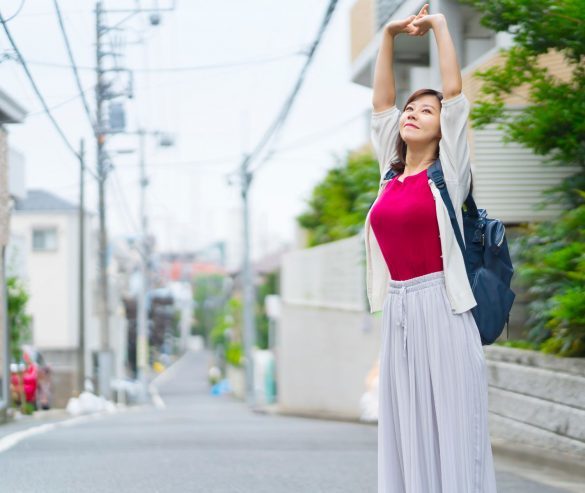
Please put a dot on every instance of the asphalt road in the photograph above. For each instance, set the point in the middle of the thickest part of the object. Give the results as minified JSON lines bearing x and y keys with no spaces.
{"x":202,"y":443}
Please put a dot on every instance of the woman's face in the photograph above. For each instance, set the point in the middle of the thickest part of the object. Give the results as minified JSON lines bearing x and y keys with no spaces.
{"x":420,"y":121}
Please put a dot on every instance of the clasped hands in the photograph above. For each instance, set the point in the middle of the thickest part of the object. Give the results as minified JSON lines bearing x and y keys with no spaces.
{"x":414,"y":25}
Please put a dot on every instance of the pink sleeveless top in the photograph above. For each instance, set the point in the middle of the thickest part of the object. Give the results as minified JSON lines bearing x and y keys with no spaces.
{"x":404,"y":221}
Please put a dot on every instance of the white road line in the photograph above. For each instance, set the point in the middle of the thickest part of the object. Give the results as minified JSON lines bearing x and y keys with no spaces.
{"x":9,"y":441}
{"x":13,"y":439}
{"x":156,"y":398}
{"x":161,"y":379}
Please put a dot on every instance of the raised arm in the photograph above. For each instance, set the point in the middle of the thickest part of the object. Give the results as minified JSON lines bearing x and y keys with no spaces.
{"x":448,"y":65}
{"x":384,"y":94}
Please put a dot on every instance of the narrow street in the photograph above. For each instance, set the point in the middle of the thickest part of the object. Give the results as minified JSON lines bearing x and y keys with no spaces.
{"x":201,"y":443}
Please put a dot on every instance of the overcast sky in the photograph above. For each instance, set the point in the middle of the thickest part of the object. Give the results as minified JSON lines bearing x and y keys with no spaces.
{"x":214,"y":114}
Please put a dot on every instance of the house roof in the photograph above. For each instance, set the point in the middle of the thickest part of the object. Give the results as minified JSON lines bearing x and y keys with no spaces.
{"x":10,"y":110}
{"x":41,"y":200}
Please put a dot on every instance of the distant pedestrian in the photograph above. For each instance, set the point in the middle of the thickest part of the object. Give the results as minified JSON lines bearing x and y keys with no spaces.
{"x":433,"y":431}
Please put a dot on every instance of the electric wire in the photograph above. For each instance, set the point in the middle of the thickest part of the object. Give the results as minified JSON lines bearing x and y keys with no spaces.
{"x":39,"y":94}
{"x":193,"y":68}
{"x":17,"y":11}
{"x":74,"y":67}
{"x":278,"y":123}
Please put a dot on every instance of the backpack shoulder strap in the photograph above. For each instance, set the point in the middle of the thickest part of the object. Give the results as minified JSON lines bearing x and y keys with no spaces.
{"x":390,"y":174}
{"x":435,"y":173}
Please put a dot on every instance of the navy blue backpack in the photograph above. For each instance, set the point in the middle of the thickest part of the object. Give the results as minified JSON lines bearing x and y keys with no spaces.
{"x":487,"y":260}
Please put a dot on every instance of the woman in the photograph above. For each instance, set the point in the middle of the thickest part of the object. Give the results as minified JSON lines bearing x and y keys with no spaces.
{"x":432,"y":428}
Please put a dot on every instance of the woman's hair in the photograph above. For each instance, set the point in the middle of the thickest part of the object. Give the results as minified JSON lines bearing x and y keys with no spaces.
{"x":401,"y":146}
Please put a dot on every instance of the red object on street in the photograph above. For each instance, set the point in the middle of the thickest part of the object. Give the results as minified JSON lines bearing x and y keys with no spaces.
{"x":35,"y":380}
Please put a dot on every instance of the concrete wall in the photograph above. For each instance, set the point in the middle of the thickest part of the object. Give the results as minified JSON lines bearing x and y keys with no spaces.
{"x":64,"y":383}
{"x":326,"y":341}
{"x":323,"y":358}
{"x":537,"y":399}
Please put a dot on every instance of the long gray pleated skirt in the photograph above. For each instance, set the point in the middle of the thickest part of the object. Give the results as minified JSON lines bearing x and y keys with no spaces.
{"x":433,"y":434}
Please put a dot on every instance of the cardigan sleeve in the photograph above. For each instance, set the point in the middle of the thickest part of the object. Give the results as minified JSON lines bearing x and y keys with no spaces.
{"x":384,"y":133}
{"x":453,"y":146}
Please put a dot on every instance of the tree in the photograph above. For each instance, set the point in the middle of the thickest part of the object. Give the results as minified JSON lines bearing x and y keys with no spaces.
{"x":551,"y":255}
{"x":553,"y":122}
{"x":339,"y":204}
{"x":269,"y":285}
{"x":19,"y":323}
{"x":18,"y":319}
{"x":209,"y":298}
{"x":226,"y":335}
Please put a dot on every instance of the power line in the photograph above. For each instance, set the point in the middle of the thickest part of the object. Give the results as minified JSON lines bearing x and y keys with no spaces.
{"x":316,"y":136}
{"x":193,"y":68}
{"x":74,"y":66}
{"x":17,"y":11}
{"x":38,"y":93}
{"x":122,"y":203}
{"x":62,"y":103}
{"x":276,"y":127}
{"x":216,"y":66}
{"x":246,"y":177}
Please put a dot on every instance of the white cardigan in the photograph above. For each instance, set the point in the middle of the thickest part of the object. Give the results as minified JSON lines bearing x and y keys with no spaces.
{"x":455,"y":160}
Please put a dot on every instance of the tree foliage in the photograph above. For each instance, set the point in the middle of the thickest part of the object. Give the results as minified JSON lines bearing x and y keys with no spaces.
{"x":553,"y":270}
{"x":551,"y":254}
{"x":226,"y":335}
{"x":268,"y":286}
{"x":338,"y":205}
{"x":18,"y":319}
{"x":552,"y":123}
{"x":209,"y":299}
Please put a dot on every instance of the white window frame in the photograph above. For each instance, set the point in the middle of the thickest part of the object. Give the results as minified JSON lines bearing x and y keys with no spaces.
{"x":45,"y":229}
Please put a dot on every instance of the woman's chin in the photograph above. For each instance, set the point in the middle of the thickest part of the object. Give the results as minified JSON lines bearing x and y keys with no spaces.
{"x":409,"y":139}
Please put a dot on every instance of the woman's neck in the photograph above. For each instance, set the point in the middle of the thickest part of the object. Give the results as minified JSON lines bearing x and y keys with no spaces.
{"x":414,"y":166}
{"x":418,"y":159}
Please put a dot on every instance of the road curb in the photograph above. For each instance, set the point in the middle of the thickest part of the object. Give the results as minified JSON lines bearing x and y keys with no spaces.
{"x":30,"y":426}
{"x":275,"y":410}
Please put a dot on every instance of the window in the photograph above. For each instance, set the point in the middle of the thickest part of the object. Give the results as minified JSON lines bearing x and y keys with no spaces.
{"x":44,"y":239}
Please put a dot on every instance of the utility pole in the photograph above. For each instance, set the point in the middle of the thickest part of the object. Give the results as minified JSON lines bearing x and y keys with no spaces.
{"x":142,"y":314}
{"x":6,"y":353}
{"x":105,"y":357}
{"x":248,"y":285}
{"x":81,"y":347}
{"x":142,"y":347}
{"x":105,"y":360}
{"x":246,"y":178}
